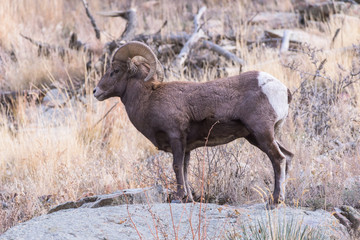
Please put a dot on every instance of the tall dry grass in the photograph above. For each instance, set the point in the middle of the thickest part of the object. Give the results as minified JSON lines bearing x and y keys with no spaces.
{"x":47,"y":157}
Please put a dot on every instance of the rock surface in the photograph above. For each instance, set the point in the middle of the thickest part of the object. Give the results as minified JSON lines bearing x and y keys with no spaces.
{"x":350,"y":218}
{"x":55,"y":98}
{"x":164,"y":221}
{"x":154,"y":194}
{"x":97,"y":217}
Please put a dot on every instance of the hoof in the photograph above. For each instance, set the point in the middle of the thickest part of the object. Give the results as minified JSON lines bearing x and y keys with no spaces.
{"x":183,"y":200}
{"x":270,"y":206}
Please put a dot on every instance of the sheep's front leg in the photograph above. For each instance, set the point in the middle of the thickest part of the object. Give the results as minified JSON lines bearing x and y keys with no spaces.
{"x":178,"y":150}
{"x":189,"y":197}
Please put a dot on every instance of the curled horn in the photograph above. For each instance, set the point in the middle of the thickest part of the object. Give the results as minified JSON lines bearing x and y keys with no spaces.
{"x":135,"y":48}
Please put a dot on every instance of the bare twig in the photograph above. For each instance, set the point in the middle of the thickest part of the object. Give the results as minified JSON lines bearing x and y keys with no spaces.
{"x":162,"y":26}
{"x":107,"y":113}
{"x":202,"y":197}
{"x":251,"y":18}
{"x":92,"y":20}
{"x":321,"y":66}
{"x":334,"y":37}
{"x":132,"y":221}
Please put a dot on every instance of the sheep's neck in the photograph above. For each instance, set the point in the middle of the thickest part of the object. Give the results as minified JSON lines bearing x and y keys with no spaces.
{"x":134,"y":99}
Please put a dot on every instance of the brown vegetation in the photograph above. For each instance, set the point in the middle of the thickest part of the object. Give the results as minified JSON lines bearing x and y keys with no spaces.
{"x":65,"y":153}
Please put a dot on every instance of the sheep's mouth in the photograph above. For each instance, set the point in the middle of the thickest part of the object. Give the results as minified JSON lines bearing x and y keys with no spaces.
{"x":99,"y":94}
{"x":100,"y":98}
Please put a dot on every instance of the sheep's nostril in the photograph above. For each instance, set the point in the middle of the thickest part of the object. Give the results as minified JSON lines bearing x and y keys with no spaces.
{"x":94,"y":90}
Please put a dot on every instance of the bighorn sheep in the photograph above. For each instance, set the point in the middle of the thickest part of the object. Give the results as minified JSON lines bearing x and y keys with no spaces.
{"x":177,"y":116}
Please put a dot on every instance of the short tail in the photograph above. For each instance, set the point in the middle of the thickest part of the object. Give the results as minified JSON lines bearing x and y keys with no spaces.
{"x":289,"y":96}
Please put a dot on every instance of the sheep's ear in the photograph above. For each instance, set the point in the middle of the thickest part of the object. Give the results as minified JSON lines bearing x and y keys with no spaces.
{"x":131,"y":67}
{"x":118,"y":65}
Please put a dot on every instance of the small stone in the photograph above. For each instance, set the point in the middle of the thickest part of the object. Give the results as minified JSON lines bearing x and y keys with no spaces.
{"x":55,"y":98}
{"x":4,"y":205}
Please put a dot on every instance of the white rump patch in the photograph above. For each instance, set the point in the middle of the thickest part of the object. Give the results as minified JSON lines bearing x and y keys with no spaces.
{"x":276,"y":92}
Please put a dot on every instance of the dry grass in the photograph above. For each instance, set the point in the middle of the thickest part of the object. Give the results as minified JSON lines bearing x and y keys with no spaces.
{"x":59,"y":155}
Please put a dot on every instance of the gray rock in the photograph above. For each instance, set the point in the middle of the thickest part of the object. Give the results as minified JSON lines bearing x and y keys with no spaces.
{"x":166,"y":221}
{"x":149,"y":195}
{"x":350,"y":218}
{"x":4,"y":205}
{"x":55,"y":98}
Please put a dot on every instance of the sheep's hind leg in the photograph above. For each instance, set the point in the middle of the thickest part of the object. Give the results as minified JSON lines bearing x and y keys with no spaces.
{"x":289,"y":155}
{"x":268,"y":145}
{"x":178,"y":151}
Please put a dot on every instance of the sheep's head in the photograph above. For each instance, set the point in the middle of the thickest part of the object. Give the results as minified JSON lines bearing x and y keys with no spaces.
{"x":122,"y":67}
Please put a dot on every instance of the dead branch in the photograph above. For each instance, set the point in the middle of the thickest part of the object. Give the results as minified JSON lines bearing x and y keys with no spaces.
{"x":171,"y":38}
{"x":182,"y":38}
{"x":45,"y":48}
{"x":130,"y":16}
{"x":92,"y":20}
{"x":129,"y":31}
{"x":163,"y":25}
{"x":74,"y":43}
{"x":223,"y":52}
{"x":10,"y":97}
{"x":197,"y":19}
{"x":194,"y":38}
{"x":285,"y":42}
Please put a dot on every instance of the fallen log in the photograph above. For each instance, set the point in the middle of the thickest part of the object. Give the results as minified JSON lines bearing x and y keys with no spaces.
{"x":10,"y":97}
{"x":285,"y":43}
{"x":223,"y":52}
{"x":194,"y":38}
{"x":45,"y":48}
{"x":179,"y":38}
{"x":274,"y":37}
{"x":320,"y":11}
{"x":130,"y":17}
{"x":275,"y":19}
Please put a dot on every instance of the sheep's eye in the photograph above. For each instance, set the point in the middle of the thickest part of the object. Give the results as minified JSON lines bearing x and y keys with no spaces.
{"x":112,"y":73}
